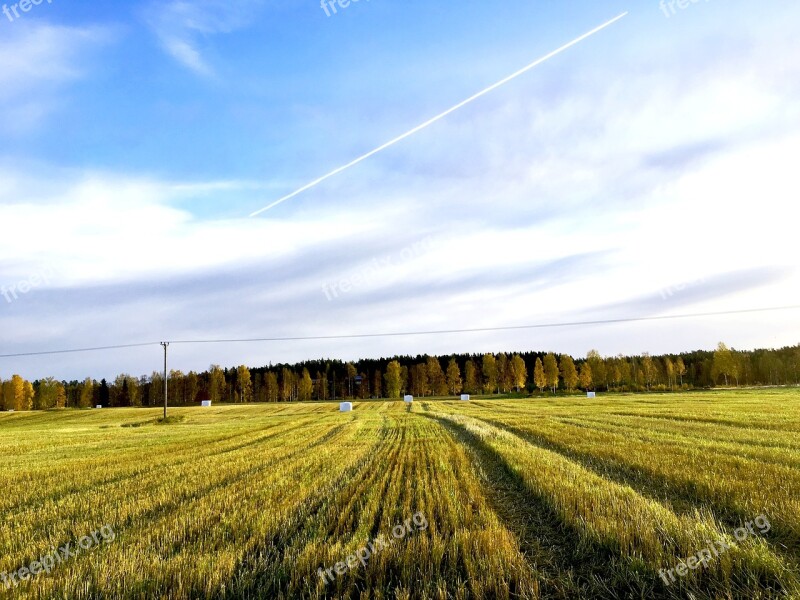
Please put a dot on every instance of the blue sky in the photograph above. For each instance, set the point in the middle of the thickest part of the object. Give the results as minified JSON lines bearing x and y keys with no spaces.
{"x":649,"y":170}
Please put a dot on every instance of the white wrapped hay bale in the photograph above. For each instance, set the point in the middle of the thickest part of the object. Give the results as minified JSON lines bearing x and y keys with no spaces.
{"x":206,"y":403}
{"x":591,"y":395}
{"x":409,"y":399}
{"x":99,"y":406}
{"x":465,"y":397}
{"x":346,"y":407}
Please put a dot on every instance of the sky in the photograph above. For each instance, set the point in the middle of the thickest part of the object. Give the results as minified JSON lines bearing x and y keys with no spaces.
{"x":648,"y":170}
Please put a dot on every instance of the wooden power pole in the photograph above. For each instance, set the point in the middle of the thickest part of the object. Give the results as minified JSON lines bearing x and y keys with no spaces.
{"x":166,"y":345}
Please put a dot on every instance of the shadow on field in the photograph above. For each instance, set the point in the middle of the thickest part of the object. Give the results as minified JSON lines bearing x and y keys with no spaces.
{"x":570,"y":567}
{"x":682,"y":500}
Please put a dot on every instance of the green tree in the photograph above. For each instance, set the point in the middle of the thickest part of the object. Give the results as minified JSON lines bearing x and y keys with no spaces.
{"x":156,"y":395}
{"x":648,"y":369}
{"x":177,"y":388}
{"x":724,"y":364}
{"x":46,"y":394}
{"x":626,"y":374}
{"x":134,"y":391}
{"x":86,"y":393}
{"x":598,"y":368}
{"x":393,"y":378}
{"x":351,"y":370}
{"x":795,"y":360}
{"x":118,"y":392}
{"x":192,"y":387}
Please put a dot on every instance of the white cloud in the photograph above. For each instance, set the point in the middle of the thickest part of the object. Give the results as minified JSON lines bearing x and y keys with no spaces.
{"x":101,"y":228}
{"x":36,"y":62}
{"x":183,"y":25}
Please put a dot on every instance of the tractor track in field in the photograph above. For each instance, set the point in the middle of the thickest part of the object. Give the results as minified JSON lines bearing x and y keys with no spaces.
{"x":654,"y":487}
{"x":567,"y":568}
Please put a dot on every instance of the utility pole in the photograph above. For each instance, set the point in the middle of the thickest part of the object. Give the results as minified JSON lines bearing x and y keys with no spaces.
{"x":166,"y":345}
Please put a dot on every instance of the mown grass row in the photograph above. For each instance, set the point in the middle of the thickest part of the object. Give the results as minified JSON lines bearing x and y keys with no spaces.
{"x":643,"y":535}
{"x":732,"y":480}
{"x":464,"y":552}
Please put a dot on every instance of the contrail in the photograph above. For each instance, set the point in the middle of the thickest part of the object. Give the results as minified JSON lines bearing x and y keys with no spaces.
{"x":491,"y":88}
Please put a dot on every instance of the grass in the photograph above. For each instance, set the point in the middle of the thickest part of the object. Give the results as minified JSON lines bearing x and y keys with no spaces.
{"x":562,"y":498}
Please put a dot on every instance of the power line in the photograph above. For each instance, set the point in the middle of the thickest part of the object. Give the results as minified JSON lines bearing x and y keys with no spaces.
{"x":414,"y":333}
{"x":488,"y":329}
{"x":77,"y":350}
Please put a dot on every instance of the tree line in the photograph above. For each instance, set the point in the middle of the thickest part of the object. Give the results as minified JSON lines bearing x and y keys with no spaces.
{"x":421,"y":376}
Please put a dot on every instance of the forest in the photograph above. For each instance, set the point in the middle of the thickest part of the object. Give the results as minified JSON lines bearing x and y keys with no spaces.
{"x":421,"y":376}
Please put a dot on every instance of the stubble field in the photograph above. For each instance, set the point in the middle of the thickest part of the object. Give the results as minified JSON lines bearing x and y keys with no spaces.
{"x":649,"y":496}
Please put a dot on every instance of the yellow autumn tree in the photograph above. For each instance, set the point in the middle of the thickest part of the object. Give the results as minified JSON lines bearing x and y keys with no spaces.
{"x":519,"y":372}
{"x":393,"y":379}
{"x":568,"y":372}
{"x":454,"y":385}
{"x":539,"y":379}
{"x":551,"y":371}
